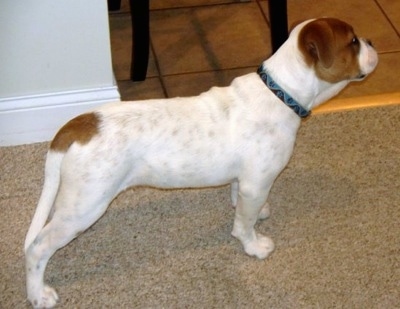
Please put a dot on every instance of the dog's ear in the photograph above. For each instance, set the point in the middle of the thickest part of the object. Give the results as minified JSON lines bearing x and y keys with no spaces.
{"x":316,"y":40}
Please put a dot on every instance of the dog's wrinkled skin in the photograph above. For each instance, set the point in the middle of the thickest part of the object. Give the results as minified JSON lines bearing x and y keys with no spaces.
{"x":241,"y":134}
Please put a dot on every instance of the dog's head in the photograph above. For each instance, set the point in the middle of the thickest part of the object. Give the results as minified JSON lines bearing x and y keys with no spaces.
{"x":333,"y":49}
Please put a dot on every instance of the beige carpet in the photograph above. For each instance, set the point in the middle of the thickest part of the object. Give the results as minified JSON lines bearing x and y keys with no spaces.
{"x":335,"y":222}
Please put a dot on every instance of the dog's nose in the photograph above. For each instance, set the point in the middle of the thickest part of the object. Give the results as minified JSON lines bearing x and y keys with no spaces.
{"x":369,"y":42}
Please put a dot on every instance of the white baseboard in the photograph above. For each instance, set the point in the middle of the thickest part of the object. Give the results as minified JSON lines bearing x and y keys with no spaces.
{"x":32,"y":119}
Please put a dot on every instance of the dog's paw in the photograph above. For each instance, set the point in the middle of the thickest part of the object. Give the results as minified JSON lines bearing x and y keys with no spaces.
{"x":260,"y":247}
{"x":47,"y":298}
{"x":264,"y":213}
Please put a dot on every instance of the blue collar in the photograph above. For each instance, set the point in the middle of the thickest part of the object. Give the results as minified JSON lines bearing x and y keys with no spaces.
{"x":282,"y":94}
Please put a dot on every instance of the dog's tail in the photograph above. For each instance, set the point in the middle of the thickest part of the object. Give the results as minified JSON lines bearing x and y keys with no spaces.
{"x":48,"y":196}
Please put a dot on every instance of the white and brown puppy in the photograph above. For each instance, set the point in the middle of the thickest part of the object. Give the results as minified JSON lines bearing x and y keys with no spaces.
{"x":242,"y":134}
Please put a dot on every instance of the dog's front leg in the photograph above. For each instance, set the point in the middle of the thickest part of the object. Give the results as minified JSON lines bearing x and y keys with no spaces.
{"x":250,"y":203}
{"x":264,"y":212}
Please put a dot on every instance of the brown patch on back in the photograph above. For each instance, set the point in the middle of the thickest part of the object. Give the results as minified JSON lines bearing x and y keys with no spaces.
{"x":327,"y":45}
{"x":81,"y":129}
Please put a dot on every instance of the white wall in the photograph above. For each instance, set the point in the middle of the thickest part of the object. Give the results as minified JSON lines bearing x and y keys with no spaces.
{"x":55,"y":62}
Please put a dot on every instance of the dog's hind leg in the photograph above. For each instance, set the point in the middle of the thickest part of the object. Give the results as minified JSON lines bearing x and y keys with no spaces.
{"x":264,"y":212}
{"x":72,"y":216}
{"x":234,"y":192}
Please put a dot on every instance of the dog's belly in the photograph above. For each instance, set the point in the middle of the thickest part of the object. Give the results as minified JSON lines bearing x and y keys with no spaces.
{"x":191,"y":168}
{"x":184,"y":177}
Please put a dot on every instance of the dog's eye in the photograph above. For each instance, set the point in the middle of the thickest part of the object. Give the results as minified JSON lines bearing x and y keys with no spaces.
{"x":355,"y":41}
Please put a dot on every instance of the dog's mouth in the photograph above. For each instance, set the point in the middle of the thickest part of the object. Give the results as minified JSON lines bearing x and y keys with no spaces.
{"x":360,"y":76}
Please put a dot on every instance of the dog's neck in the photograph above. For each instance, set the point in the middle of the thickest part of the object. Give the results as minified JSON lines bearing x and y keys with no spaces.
{"x":282,"y":94}
{"x":298,"y":79}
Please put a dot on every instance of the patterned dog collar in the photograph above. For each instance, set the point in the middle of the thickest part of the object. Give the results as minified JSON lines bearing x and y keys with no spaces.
{"x":281,"y":94}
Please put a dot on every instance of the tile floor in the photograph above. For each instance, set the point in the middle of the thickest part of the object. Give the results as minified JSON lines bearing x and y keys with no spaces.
{"x":196,"y":44}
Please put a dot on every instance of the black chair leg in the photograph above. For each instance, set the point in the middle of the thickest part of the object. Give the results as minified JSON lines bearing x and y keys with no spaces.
{"x":279,"y":22}
{"x":114,"y":5}
{"x":140,"y":39}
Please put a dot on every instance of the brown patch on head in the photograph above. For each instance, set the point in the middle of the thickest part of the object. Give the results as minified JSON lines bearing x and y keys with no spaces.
{"x":80,"y":129}
{"x":332,"y":48}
